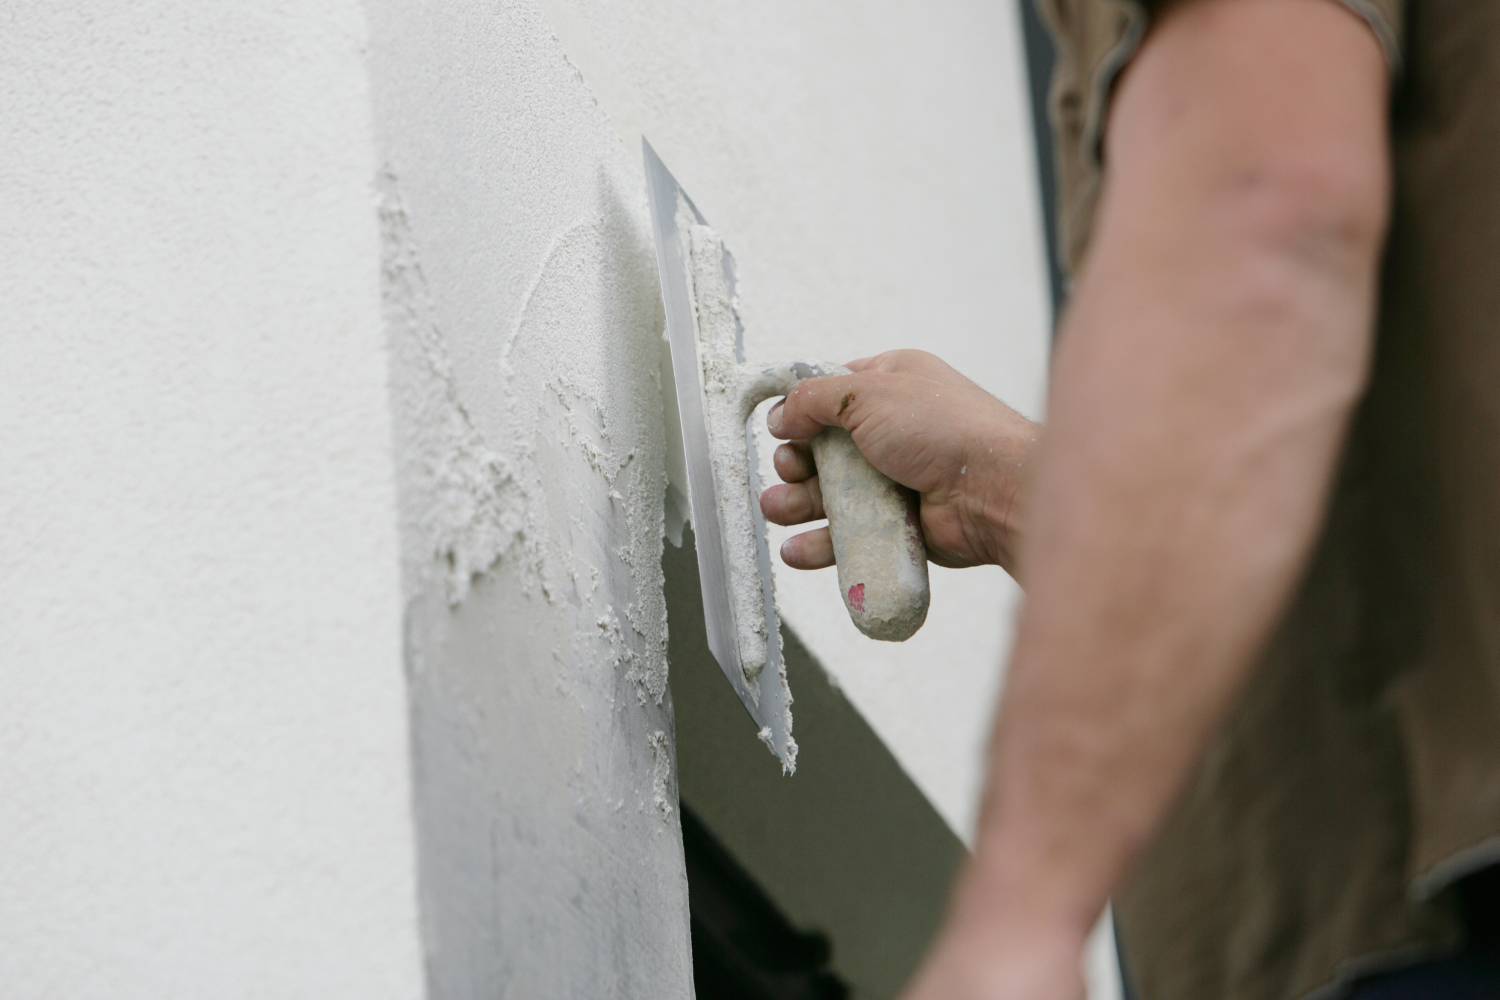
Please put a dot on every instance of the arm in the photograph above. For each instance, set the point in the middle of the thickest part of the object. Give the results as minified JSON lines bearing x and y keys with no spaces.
{"x":1217,"y":344}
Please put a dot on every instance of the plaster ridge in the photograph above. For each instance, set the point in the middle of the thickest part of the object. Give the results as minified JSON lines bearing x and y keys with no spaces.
{"x":593,"y":221}
{"x":466,"y":502}
{"x":577,"y":73}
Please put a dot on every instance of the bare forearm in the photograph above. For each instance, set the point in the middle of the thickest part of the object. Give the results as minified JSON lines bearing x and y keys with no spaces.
{"x":1207,"y":372}
{"x":1168,"y":530}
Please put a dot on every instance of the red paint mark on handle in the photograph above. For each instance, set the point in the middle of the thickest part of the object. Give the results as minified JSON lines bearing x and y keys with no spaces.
{"x":857,"y":597}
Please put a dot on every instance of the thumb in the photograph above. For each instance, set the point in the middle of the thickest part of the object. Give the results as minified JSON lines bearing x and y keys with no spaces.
{"x":816,"y":403}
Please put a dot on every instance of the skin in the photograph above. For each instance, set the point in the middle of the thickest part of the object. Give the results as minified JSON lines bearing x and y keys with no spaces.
{"x":966,"y":459}
{"x":1216,"y":346}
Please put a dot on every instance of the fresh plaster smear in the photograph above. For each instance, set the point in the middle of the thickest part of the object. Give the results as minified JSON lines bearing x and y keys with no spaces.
{"x":469,"y":509}
{"x":523,"y":314}
{"x":554,"y":547}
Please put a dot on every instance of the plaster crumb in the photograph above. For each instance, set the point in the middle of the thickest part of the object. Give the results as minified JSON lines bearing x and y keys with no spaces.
{"x":788,"y":765}
{"x":663,"y":789}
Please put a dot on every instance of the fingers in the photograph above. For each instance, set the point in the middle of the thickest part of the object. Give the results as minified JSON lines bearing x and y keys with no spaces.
{"x":793,"y":503}
{"x":840,"y":400}
{"x":809,"y":550}
{"x":798,"y":501}
{"x":793,"y":462}
{"x":817,"y":403}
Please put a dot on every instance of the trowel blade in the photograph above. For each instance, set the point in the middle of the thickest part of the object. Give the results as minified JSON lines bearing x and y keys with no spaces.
{"x":767,"y":700}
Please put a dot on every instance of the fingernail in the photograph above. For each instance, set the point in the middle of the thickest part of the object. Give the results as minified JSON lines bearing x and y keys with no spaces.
{"x":773,"y":419}
{"x":786,"y":548}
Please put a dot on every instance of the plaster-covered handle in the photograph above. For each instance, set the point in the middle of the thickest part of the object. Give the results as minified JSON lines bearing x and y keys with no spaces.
{"x":877,"y":539}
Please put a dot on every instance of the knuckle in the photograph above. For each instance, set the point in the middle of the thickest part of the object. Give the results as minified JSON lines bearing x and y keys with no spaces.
{"x":903,"y":358}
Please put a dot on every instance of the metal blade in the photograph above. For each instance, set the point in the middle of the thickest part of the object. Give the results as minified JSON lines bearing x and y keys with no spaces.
{"x":768,"y":701}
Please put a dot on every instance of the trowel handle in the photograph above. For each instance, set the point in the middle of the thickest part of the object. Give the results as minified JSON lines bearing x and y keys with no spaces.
{"x":877,"y":538}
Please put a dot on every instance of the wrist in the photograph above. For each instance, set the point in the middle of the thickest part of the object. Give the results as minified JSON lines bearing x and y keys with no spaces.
{"x":1004,"y":894}
{"x":995,"y":490}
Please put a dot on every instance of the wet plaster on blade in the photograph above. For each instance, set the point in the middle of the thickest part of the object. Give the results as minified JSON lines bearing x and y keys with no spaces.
{"x":725,"y":411}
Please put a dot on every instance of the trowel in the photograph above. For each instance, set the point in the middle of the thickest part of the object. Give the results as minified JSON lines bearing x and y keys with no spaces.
{"x":877,"y":541}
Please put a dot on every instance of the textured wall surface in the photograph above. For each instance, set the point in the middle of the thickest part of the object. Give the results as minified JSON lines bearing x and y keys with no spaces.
{"x":203,"y":749}
{"x":334,"y":657}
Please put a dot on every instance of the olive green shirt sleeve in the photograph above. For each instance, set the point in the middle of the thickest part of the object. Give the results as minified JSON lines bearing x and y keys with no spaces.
{"x":1095,"y":40}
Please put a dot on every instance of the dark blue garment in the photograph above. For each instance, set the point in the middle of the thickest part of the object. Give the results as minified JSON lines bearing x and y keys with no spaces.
{"x":1474,"y":974}
{"x":1461,"y":978}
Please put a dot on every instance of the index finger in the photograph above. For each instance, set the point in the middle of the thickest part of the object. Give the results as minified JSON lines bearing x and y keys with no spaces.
{"x":816,"y":403}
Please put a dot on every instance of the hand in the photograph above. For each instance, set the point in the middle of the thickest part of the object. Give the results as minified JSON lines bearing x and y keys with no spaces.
{"x":928,"y":428}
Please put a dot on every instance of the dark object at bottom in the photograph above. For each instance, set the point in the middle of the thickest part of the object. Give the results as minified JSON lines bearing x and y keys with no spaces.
{"x":1473,"y":974}
{"x":1459,"y":978}
{"x":743,"y":946}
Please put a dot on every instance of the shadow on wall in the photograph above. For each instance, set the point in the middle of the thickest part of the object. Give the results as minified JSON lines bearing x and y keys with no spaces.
{"x":847,"y":846}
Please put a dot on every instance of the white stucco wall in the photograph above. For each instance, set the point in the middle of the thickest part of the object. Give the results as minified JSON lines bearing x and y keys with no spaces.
{"x":334,"y":655}
{"x":204,"y":777}
{"x":334,"y":651}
